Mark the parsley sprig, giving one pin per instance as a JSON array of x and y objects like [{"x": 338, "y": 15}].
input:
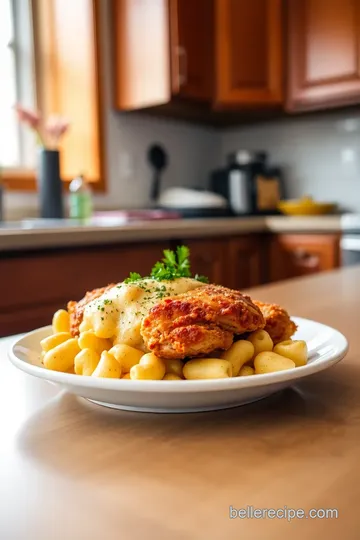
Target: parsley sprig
[
  {"x": 172, "y": 266},
  {"x": 134, "y": 276}
]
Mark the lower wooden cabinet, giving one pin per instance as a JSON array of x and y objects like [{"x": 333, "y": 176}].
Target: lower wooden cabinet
[
  {"x": 293, "y": 255},
  {"x": 244, "y": 262},
  {"x": 231, "y": 261},
  {"x": 41, "y": 282},
  {"x": 209, "y": 258}
]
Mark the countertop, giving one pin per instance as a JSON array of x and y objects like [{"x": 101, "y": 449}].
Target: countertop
[
  {"x": 71, "y": 469},
  {"x": 14, "y": 237}
]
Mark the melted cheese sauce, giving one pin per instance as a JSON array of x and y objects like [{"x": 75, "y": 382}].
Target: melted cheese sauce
[{"x": 118, "y": 313}]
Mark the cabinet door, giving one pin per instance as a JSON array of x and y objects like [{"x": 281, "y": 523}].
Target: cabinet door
[
  {"x": 324, "y": 53},
  {"x": 209, "y": 258},
  {"x": 244, "y": 262},
  {"x": 141, "y": 53},
  {"x": 301, "y": 255},
  {"x": 191, "y": 35},
  {"x": 248, "y": 52}
]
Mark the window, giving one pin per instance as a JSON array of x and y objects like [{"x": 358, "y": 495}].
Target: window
[
  {"x": 67, "y": 58},
  {"x": 17, "y": 145}
]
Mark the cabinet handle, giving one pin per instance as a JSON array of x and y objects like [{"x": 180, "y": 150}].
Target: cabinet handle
[
  {"x": 305, "y": 259},
  {"x": 182, "y": 63}
]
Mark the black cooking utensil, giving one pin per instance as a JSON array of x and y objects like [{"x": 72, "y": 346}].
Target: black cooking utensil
[{"x": 158, "y": 159}]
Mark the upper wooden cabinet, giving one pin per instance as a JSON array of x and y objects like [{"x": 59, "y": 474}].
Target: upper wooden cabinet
[
  {"x": 217, "y": 56},
  {"x": 248, "y": 52},
  {"x": 323, "y": 53},
  {"x": 141, "y": 53},
  {"x": 226, "y": 53},
  {"x": 191, "y": 43}
]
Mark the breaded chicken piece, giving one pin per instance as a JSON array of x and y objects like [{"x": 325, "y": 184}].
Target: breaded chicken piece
[
  {"x": 199, "y": 321},
  {"x": 76, "y": 309},
  {"x": 277, "y": 321}
]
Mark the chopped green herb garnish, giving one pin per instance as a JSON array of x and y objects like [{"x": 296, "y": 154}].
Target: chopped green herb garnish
[
  {"x": 203, "y": 279},
  {"x": 134, "y": 276},
  {"x": 172, "y": 266}
]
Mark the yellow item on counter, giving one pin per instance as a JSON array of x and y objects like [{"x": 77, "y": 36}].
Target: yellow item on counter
[{"x": 305, "y": 207}]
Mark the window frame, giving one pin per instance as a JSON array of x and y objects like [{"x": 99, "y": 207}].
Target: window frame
[{"x": 22, "y": 179}]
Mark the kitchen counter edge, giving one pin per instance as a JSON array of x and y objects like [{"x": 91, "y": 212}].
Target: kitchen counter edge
[{"x": 82, "y": 235}]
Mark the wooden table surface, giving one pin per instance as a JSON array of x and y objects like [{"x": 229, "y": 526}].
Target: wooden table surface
[{"x": 70, "y": 469}]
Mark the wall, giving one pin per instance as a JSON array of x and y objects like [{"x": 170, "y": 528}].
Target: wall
[
  {"x": 320, "y": 154},
  {"x": 193, "y": 151}
]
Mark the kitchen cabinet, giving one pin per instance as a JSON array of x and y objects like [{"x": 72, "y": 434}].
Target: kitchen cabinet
[
  {"x": 141, "y": 53},
  {"x": 214, "y": 53},
  {"x": 293, "y": 255},
  {"x": 248, "y": 52},
  {"x": 162, "y": 50},
  {"x": 55, "y": 277},
  {"x": 231, "y": 261},
  {"x": 209, "y": 258},
  {"x": 191, "y": 46},
  {"x": 244, "y": 262},
  {"x": 323, "y": 53}
]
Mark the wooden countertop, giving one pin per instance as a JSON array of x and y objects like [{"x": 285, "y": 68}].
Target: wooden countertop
[
  {"x": 15, "y": 237},
  {"x": 71, "y": 469}
]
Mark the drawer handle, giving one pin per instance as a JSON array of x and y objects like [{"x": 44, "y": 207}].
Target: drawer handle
[
  {"x": 305, "y": 259},
  {"x": 182, "y": 65}
]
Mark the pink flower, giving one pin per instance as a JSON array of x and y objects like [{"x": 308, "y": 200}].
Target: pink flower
[
  {"x": 48, "y": 135},
  {"x": 55, "y": 128},
  {"x": 32, "y": 119}
]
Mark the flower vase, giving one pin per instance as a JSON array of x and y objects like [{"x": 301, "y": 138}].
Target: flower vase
[{"x": 50, "y": 185}]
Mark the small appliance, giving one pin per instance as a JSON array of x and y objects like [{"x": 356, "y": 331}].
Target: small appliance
[{"x": 249, "y": 184}]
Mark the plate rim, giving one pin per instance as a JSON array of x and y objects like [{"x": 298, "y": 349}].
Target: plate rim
[{"x": 186, "y": 386}]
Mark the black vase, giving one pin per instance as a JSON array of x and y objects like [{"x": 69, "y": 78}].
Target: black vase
[{"x": 50, "y": 185}]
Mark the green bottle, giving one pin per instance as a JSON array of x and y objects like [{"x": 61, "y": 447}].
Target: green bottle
[{"x": 80, "y": 198}]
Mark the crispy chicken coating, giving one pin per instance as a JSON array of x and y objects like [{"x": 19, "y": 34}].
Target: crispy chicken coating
[
  {"x": 76, "y": 309},
  {"x": 277, "y": 321},
  {"x": 199, "y": 321}
]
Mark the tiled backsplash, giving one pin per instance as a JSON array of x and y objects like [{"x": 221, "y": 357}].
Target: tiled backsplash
[
  {"x": 320, "y": 154},
  {"x": 192, "y": 153}
]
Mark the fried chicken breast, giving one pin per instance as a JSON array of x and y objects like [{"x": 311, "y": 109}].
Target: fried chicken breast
[
  {"x": 76, "y": 309},
  {"x": 199, "y": 321},
  {"x": 277, "y": 321}
]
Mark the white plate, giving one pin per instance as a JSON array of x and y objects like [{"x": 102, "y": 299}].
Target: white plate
[{"x": 326, "y": 347}]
